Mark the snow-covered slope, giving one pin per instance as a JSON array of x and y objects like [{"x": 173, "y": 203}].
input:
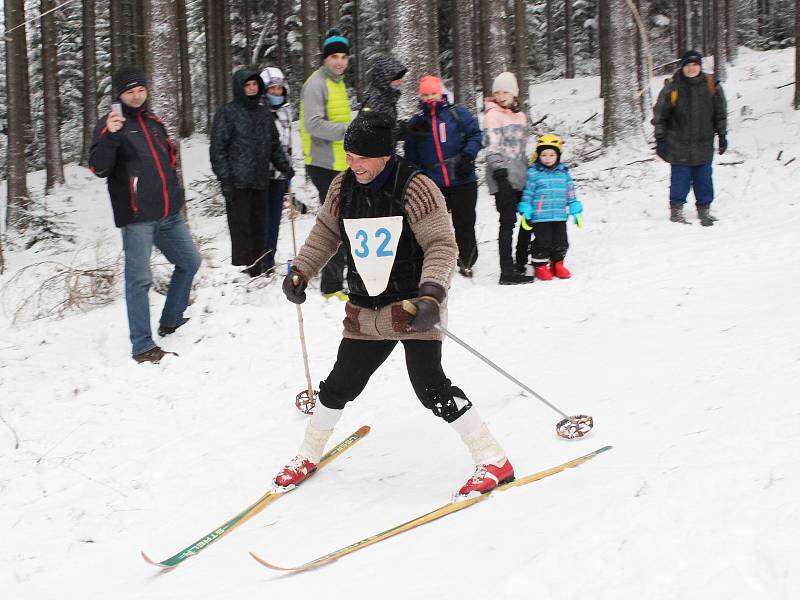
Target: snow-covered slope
[{"x": 681, "y": 341}]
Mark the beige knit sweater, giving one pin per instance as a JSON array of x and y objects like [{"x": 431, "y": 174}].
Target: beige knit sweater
[{"x": 427, "y": 215}]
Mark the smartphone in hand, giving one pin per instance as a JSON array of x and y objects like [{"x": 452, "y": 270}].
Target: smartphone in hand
[{"x": 116, "y": 107}]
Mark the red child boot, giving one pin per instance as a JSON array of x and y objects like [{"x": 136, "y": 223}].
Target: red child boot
[
  {"x": 560, "y": 271},
  {"x": 486, "y": 478},
  {"x": 542, "y": 272},
  {"x": 294, "y": 473}
]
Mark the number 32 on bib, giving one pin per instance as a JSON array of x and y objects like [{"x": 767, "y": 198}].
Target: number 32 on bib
[{"x": 373, "y": 246}]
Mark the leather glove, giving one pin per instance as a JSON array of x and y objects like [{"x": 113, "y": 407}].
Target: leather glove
[
  {"x": 431, "y": 295},
  {"x": 661, "y": 148},
  {"x": 294, "y": 286},
  {"x": 723, "y": 143},
  {"x": 288, "y": 172},
  {"x": 575, "y": 207},
  {"x": 464, "y": 165},
  {"x": 499, "y": 174}
]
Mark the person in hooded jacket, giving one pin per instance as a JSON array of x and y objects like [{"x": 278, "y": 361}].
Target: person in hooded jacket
[
  {"x": 443, "y": 141},
  {"x": 277, "y": 98},
  {"x": 383, "y": 92},
  {"x": 244, "y": 141}
]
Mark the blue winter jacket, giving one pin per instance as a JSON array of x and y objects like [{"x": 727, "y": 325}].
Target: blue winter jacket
[
  {"x": 451, "y": 135},
  {"x": 547, "y": 193}
]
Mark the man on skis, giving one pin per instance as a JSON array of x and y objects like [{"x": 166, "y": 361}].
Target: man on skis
[{"x": 393, "y": 223}]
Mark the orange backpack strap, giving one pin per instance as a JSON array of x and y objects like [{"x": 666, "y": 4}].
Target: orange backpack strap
[{"x": 711, "y": 84}]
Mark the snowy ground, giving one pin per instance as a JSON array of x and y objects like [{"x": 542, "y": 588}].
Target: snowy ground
[{"x": 681, "y": 341}]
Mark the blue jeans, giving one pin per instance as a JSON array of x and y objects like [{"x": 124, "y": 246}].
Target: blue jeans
[
  {"x": 684, "y": 178},
  {"x": 277, "y": 189},
  {"x": 172, "y": 237}
]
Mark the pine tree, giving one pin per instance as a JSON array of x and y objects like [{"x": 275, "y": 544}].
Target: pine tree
[
  {"x": 186, "y": 128},
  {"x": 89, "y": 88},
  {"x": 494, "y": 42},
  {"x": 720, "y": 55},
  {"x": 622, "y": 112},
  {"x": 797, "y": 55},
  {"x": 311, "y": 37},
  {"x": 569, "y": 49},
  {"x": 463, "y": 70},
  {"x": 412, "y": 46},
  {"x": 16, "y": 76},
  {"x": 52, "y": 147}
]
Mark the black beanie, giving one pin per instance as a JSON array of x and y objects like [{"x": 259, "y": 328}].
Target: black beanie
[
  {"x": 126, "y": 78},
  {"x": 334, "y": 43},
  {"x": 692, "y": 56},
  {"x": 370, "y": 135}
]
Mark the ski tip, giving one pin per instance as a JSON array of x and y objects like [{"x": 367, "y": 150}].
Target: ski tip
[
  {"x": 363, "y": 430},
  {"x": 261, "y": 561},
  {"x": 161, "y": 566}
]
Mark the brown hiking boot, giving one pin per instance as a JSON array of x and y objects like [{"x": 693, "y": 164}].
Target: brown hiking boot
[{"x": 154, "y": 355}]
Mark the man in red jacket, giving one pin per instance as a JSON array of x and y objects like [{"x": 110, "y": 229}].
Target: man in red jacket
[{"x": 132, "y": 150}]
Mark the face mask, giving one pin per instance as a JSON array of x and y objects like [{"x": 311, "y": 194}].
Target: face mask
[{"x": 275, "y": 100}]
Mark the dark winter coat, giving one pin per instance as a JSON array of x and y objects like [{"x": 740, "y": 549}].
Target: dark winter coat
[
  {"x": 139, "y": 161},
  {"x": 688, "y": 116},
  {"x": 244, "y": 138},
  {"x": 380, "y": 96},
  {"x": 453, "y": 131}
]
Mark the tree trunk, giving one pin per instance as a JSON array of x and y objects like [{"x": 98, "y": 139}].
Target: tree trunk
[
  {"x": 719, "y": 39},
  {"x": 433, "y": 34},
  {"x": 461, "y": 17},
  {"x": 548, "y": 18},
  {"x": 569, "y": 54},
  {"x": 334, "y": 13},
  {"x": 797, "y": 55},
  {"x": 89, "y": 64},
  {"x": 706, "y": 7},
  {"x": 732, "y": 40},
  {"x": 186, "y": 128},
  {"x": 622, "y": 112},
  {"x": 682, "y": 18},
  {"x": 16, "y": 75},
  {"x": 54, "y": 163},
  {"x": 226, "y": 52},
  {"x": 604, "y": 43},
  {"x": 494, "y": 42},
  {"x": 218, "y": 55},
  {"x": 412, "y": 47},
  {"x": 355, "y": 45},
  {"x": 521, "y": 51},
  {"x": 280, "y": 34},
  {"x": 117, "y": 42},
  {"x": 311, "y": 41}
]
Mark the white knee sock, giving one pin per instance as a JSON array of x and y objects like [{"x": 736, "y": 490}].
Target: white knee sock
[
  {"x": 318, "y": 432},
  {"x": 485, "y": 450}
]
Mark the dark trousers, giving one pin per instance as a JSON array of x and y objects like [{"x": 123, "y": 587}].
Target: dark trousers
[
  {"x": 333, "y": 272},
  {"x": 274, "y": 211},
  {"x": 357, "y": 360},
  {"x": 506, "y": 200},
  {"x": 697, "y": 177},
  {"x": 550, "y": 242},
  {"x": 461, "y": 201},
  {"x": 246, "y": 211}
]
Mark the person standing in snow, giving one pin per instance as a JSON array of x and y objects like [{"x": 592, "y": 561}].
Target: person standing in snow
[
  {"x": 547, "y": 201},
  {"x": 690, "y": 110},
  {"x": 277, "y": 98},
  {"x": 133, "y": 151},
  {"x": 324, "y": 116},
  {"x": 244, "y": 141},
  {"x": 504, "y": 135},
  {"x": 443, "y": 141},
  {"x": 383, "y": 92},
  {"x": 393, "y": 223}
]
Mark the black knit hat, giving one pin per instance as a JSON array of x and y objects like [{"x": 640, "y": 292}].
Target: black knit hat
[
  {"x": 126, "y": 78},
  {"x": 334, "y": 43},
  {"x": 370, "y": 135},
  {"x": 692, "y": 56}
]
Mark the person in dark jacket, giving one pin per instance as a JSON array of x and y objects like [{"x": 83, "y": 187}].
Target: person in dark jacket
[
  {"x": 690, "y": 110},
  {"x": 383, "y": 92},
  {"x": 132, "y": 150},
  {"x": 244, "y": 141},
  {"x": 443, "y": 141}
]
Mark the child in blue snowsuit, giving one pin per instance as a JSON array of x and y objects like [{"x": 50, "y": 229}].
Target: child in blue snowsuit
[{"x": 547, "y": 201}]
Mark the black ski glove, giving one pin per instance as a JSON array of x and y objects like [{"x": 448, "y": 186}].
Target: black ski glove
[
  {"x": 661, "y": 148},
  {"x": 464, "y": 165},
  {"x": 723, "y": 143},
  {"x": 499, "y": 174},
  {"x": 294, "y": 286},
  {"x": 288, "y": 172},
  {"x": 431, "y": 295}
]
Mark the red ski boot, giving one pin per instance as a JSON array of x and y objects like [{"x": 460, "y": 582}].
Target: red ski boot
[
  {"x": 294, "y": 473},
  {"x": 542, "y": 272},
  {"x": 485, "y": 479},
  {"x": 559, "y": 270}
]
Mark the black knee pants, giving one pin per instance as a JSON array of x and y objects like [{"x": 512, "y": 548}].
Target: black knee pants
[
  {"x": 357, "y": 360},
  {"x": 247, "y": 217},
  {"x": 461, "y": 201},
  {"x": 333, "y": 272},
  {"x": 550, "y": 242}
]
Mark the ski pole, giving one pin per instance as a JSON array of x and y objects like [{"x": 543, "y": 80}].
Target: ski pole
[{"x": 569, "y": 427}]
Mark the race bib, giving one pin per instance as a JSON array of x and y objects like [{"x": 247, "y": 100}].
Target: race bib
[{"x": 373, "y": 246}]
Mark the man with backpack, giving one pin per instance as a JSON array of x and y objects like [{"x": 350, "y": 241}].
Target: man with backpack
[
  {"x": 443, "y": 140},
  {"x": 690, "y": 110}
]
